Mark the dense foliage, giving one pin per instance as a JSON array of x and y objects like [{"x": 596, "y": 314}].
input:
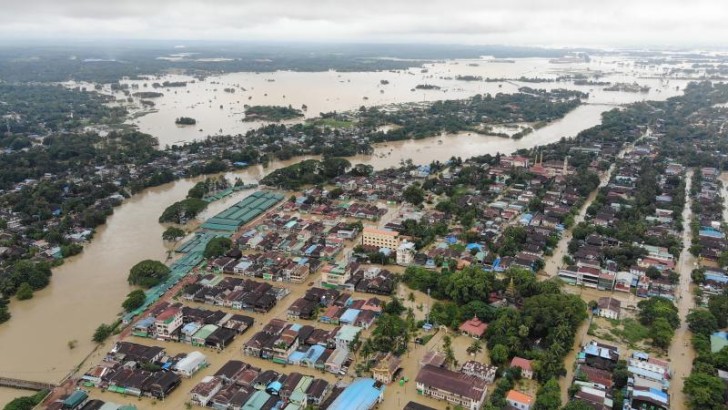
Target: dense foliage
[
  {"x": 308, "y": 172},
  {"x": 182, "y": 211},
  {"x": 217, "y": 247},
  {"x": 26, "y": 402},
  {"x": 134, "y": 300},
  {"x": 271, "y": 113},
  {"x": 148, "y": 273}
]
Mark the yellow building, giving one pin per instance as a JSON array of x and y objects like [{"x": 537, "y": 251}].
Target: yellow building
[{"x": 381, "y": 238}]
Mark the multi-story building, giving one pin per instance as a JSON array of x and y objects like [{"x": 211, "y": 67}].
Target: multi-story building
[
  {"x": 405, "y": 253},
  {"x": 381, "y": 238},
  {"x": 168, "y": 322}
]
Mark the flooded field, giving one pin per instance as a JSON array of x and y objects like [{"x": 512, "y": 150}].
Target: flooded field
[{"x": 218, "y": 111}]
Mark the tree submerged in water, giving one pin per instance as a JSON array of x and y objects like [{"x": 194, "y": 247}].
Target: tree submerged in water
[{"x": 185, "y": 121}]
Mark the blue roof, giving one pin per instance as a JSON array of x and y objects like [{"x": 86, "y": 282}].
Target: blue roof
[
  {"x": 349, "y": 316},
  {"x": 474, "y": 246},
  {"x": 359, "y": 395},
  {"x": 296, "y": 327},
  {"x": 144, "y": 323},
  {"x": 295, "y": 357},
  {"x": 276, "y": 385},
  {"x": 451, "y": 239},
  {"x": 310, "y": 249}
]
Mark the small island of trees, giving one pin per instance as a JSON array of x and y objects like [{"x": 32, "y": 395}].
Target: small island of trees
[
  {"x": 185, "y": 121},
  {"x": 148, "y": 273},
  {"x": 271, "y": 113}
]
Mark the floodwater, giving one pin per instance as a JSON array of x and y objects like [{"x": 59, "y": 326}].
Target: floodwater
[
  {"x": 221, "y": 112},
  {"x": 89, "y": 288}
]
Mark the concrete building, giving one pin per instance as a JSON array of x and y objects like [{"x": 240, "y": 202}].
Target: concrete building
[
  {"x": 609, "y": 307},
  {"x": 381, "y": 238},
  {"x": 518, "y": 400},
  {"x": 456, "y": 388},
  {"x": 167, "y": 323},
  {"x": 405, "y": 253}
]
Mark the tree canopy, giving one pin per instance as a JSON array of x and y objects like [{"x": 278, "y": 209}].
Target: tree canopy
[{"x": 148, "y": 273}]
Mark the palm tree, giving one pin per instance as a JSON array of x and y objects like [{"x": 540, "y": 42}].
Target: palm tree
[{"x": 475, "y": 347}]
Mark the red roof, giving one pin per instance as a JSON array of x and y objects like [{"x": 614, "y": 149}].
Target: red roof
[
  {"x": 524, "y": 364},
  {"x": 474, "y": 327},
  {"x": 519, "y": 397}
]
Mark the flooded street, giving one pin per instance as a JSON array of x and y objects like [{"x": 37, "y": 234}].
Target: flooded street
[
  {"x": 89, "y": 288},
  {"x": 681, "y": 351}
]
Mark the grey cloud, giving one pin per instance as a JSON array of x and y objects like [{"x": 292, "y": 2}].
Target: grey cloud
[{"x": 528, "y": 22}]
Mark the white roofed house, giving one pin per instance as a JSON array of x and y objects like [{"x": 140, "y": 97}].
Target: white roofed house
[{"x": 190, "y": 364}]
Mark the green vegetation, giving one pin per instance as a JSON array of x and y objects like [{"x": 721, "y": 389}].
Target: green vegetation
[
  {"x": 40, "y": 109},
  {"x": 217, "y": 247},
  {"x": 308, "y": 172},
  {"x": 632, "y": 331},
  {"x": 182, "y": 211},
  {"x": 172, "y": 234},
  {"x": 25, "y": 292},
  {"x": 26, "y": 402},
  {"x": 271, "y": 113},
  {"x": 134, "y": 300},
  {"x": 185, "y": 121},
  {"x": 546, "y": 315},
  {"x": 548, "y": 396},
  {"x": 660, "y": 315},
  {"x": 102, "y": 333},
  {"x": 148, "y": 273},
  {"x": 705, "y": 390},
  {"x": 36, "y": 275}
]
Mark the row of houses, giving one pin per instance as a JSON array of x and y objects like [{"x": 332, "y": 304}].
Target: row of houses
[
  {"x": 646, "y": 387},
  {"x": 303, "y": 345},
  {"x": 238, "y": 385},
  {"x": 600, "y": 261},
  {"x": 235, "y": 293}
]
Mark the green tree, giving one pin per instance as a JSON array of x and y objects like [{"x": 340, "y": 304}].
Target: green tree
[
  {"x": 148, "y": 273},
  {"x": 475, "y": 347},
  {"x": 134, "y": 300},
  {"x": 718, "y": 306},
  {"x": 25, "y": 291},
  {"x": 26, "y": 402},
  {"x": 499, "y": 355},
  {"x": 548, "y": 396},
  {"x": 579, "y": 405},
  {"x": 414, "y": 194},
  {"x": 662, "y": 333},
  {"x": 172, "y": 233},
  {"x": 101, "y": 333},
  {"x": 217, "y": 247},
  {"x": 705, "y": 391},
  {"x": 702, "y": 321}
]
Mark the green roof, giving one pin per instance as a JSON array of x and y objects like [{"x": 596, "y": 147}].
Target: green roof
[
  {"x": 75, "y": 399},
  {"x": 256, "y": 401}
]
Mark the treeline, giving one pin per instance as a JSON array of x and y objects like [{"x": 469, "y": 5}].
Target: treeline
[
  {"x": 452, "y": 116},
  {"x": 271, "y": 113},
  {"x": 39, "y": 109},
  {"x": 308, "y": 172},
  {"x": 704, "y": 388}
]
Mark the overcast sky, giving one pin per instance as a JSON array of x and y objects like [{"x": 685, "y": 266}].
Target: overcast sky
[{"x": 617, "y": 23}]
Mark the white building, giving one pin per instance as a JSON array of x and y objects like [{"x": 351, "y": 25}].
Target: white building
[
  {"x": 190, "y": 364},
  {"x": 405, "y": 253}
]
